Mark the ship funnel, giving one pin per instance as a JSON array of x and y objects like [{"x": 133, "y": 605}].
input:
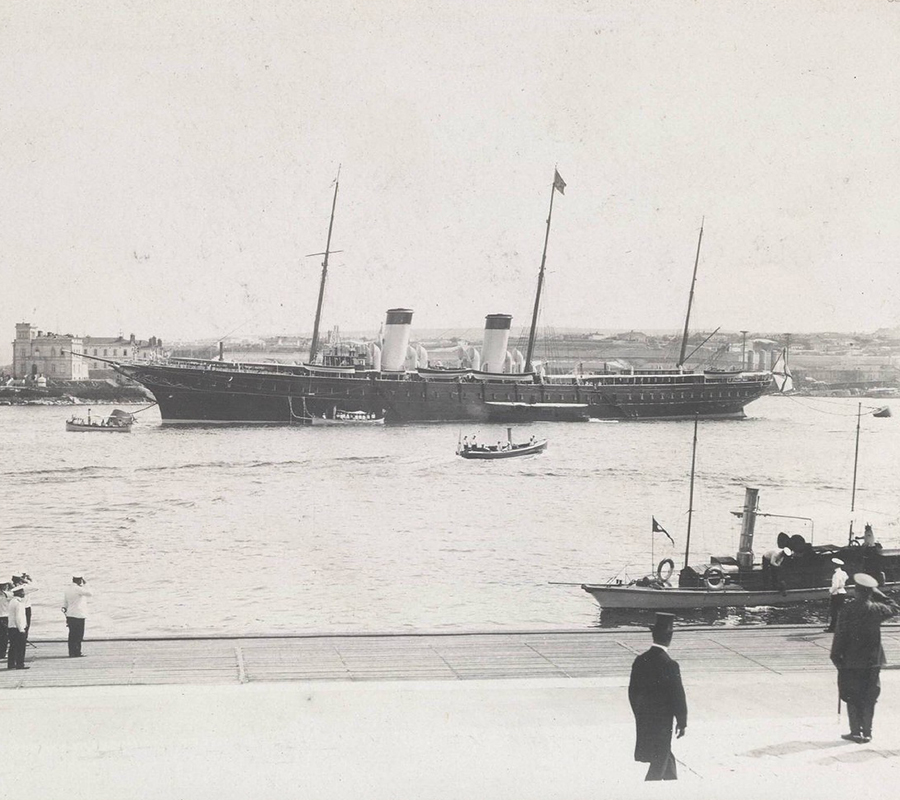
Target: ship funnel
[
  {"x": 496, "y": 338},
  {"x": 748, "y": 524},
  {"x": 396, "y": 339}
]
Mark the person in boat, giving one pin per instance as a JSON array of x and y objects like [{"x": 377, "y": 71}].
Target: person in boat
[
  {"x": 465, "y": 444},
  {"x": 773, "y": 564},
  {"x": 838, "y": 593},
  {"x": 656, "y": 695},
  {"x": 857, "y": 653}
]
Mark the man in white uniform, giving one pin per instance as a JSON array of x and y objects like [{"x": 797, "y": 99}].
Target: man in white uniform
[
  {"x": 75, "y": 609},
  {"x": 17, "y": 627},
  {"x": 838, "y": 593}
]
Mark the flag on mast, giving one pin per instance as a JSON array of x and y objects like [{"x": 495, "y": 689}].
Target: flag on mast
[
  {"x": 781, "y": 373},
  {"x": 558, "y": 183},
  {"x": 657, "y": 528}
]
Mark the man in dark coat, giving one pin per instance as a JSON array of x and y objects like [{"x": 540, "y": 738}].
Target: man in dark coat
[
  {"x": 857, "y": 653},
  {"x": 657, "y": 697}
]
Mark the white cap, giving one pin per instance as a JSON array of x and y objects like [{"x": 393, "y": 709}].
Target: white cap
[{"x": 837, "y": 561}]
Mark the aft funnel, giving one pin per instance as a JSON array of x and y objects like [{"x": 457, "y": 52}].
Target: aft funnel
[
  {"x": 496, "y": 338},
  {"x": 396, "y": 339}
]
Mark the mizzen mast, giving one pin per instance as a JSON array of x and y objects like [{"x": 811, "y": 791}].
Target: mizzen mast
[
  {"x": 687, "y": 318},
  {"x": 559, "y": 185},
  {"x": 314, "y": 345}
]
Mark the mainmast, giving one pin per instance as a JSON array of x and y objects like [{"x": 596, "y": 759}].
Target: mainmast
[
  {"x": 687, "y": 546},
  {"x": 559, "y": 185},
  {"x": 314, "y": 345},
  {"x": 687, "y": 318}
]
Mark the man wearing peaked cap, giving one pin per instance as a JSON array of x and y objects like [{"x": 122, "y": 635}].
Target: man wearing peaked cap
[
  {"x": 838, "y": 593},
  {"x": 75, "y": 608},
  {"x": 18, "y": 627},
  {"x": 657, "y": 697},
  {"x": 857, "y": 653}
]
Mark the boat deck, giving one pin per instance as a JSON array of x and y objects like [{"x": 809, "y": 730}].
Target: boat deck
[{"x": 432, "y": 657}]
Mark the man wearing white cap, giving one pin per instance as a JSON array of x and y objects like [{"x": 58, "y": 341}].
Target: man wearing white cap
[
  {"x": 18, "y": 626},
  {"x": 838, "y": 593},
  {"x": 75, "y": 609},
  {"x": 772, "y": 565},
  {"x": 857, "y": 653},
  {"x": 657, "y": 697}
]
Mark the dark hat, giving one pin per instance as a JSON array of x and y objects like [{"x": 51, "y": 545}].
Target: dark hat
[
  {"x": 867, "y": 581},
  {"x": 665, "y": 623}
]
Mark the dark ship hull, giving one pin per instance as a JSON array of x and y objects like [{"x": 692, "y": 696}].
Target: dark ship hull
[{"x": 224, "y": 392}]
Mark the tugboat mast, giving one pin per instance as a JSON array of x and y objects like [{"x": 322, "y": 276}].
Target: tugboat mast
[
  {"x": 559, "y": 185},
  {"x": 687, "y": 318},
  {"x": 314, "y": 345}
]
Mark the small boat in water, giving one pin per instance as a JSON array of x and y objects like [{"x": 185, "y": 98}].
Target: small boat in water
[
  {"x": 884, "y": 411},
  {"x": 802, "y": 575},
  {"x": 339, "y": 417},
  {"x": 117, "y": 422},
  {"x": 510, "y": 449}
]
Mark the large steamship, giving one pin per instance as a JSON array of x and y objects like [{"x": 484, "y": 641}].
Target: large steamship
[{"x": 394, "y": 380}]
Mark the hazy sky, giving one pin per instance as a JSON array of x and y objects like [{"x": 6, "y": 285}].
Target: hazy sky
[{"x": 167, "y": 166}]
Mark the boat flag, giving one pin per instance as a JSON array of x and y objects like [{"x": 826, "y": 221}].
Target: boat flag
[
  {"x": 558, "y": 183},
  {"x": 657, "y": 528},
  {"x": 781, "y": 373}
]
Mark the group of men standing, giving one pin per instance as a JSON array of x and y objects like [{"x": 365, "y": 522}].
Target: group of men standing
[
  {"x": 15, "y": 617},
  {"x": 657, "y": 696}
]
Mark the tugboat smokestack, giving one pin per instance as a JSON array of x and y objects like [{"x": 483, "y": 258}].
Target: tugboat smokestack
[{"x": 748, "y": 524}]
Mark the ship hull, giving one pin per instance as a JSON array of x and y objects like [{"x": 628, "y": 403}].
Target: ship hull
[
  {"x": 673, "y": 599},
  {"x": 216, "y": 392}
]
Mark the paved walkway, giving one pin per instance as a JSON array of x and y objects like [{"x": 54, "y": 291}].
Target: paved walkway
[{"x": 415, "y": 717}]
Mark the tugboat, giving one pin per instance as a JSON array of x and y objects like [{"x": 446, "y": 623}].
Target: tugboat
[{"x": 803, "y": 575}]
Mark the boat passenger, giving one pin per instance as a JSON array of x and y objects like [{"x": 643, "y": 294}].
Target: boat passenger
[
  {"x": 772, "y": 563},
  {"x": 838, "y": 593}
]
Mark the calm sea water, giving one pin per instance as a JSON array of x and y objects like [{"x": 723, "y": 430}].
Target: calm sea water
[{"x": 290, "y": 530}]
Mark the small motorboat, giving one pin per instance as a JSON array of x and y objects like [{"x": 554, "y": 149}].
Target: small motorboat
[
  {"x": 117, "y": 422},
  {"x": 884, "y": 411},
  {"x": 510, "y": 449}
]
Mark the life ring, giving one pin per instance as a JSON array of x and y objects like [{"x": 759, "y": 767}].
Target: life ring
[
  {"x": 714, "y": 578},
  {"x": 669, "y": 567}
]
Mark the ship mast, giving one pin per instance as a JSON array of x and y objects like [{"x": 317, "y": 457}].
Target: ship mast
[
  {"x": 559, "y": 185},
  {"x": 314, "y": 345},
  {"x": 855, "y": 462},
  {"x": 687, "y": 546},
  {"x": 687, "y": 318}
]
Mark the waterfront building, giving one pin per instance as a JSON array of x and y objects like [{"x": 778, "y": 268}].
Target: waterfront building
[{"x": 39, "y": 354}]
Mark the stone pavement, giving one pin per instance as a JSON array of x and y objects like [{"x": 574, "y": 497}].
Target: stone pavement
[{"x": 269, "y": 721}]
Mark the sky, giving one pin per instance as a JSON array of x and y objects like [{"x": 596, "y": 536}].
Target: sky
[{"x": 167, "y": 167}]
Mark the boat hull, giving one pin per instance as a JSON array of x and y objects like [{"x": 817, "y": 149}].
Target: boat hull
[
  {"x": 217, "y": 392},
  {"x": 519, "y": 450},
  {"x": 644, "y": 598},
  {"x": 78, "y": 428}
]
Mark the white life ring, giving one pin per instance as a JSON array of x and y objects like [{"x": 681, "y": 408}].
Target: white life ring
[
  {"x": 664, "y": 569},
  {"x": 714, "y": 578}
]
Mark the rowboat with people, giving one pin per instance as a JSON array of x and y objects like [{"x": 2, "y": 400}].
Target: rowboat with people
[
  {"x": 117, "y": 422},
  {"x": 508, "y": 449}
]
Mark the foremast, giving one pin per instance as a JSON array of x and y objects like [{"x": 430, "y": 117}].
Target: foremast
[
  {"x": 559, "y": 185},
  {"x": 314, "y": 345}
]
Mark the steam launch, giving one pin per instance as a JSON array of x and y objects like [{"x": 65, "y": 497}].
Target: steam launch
[{"x": 391, "y": 380}]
